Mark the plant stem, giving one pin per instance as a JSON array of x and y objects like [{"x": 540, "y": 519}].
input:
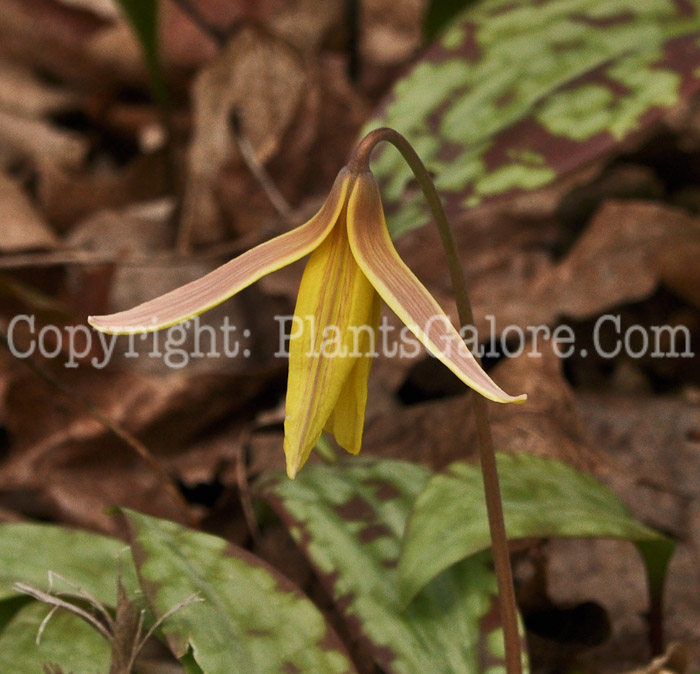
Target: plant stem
[{"x": 494, "y": 506}]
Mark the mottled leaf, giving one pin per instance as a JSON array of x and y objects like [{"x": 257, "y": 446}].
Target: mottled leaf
[
  {"x": 29, "y": 551},
  {"x": 67, "y": 641},
  {"x": 541, "y": 498},
  {"x": 349, "y": 520},
  {"x": 251, "y": 618},
  {"x": 517, "y": 93}
]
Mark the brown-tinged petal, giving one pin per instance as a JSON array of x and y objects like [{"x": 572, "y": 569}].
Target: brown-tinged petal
[
  {"x": 201, "y": 295},
  {"x": 405, "y": 294}
]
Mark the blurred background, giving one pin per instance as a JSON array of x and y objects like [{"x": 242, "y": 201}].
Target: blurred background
[{"x": 144, "y": 143}]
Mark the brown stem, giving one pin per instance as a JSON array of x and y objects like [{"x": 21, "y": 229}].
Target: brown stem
[{"x": 359, "y": 162}]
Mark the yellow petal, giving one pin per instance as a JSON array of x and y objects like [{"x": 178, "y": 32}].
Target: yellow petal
[
  {"x": 201, "y": 295},
  {"x": 405, "y": 294},
  {"x": 334, "y": 297},
  {"x": 348, "y": 417}
]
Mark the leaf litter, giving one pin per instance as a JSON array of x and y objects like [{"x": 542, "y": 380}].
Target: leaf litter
[{"x": 619, "y": 232}]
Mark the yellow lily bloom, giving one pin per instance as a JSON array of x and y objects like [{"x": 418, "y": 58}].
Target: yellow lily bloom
[{"x": 353, "y": 264}]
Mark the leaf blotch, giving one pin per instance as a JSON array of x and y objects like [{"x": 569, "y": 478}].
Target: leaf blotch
[
  {"x": 384, "y": 491},
  {"x": 356, "y": 510},
  {"x": 373, "y": 532}
]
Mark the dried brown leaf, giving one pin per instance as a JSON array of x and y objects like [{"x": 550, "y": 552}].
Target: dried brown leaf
[
  {"x": 301, "y": 24},
  {"x": 70, "y": 468},
  {"x": 39, "y": 142},
  {"x": 627, "y": 250},
  {"x": 266, "y": 83},
  {"x": 24, "y": 94},
  {"x": 67, "y": 195},
  {"x": 442, "y": 431},
  {"x": 52, "y": 37},
  {"x": 23, "y": 228}
]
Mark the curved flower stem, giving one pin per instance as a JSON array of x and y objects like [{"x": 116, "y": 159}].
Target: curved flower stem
[{"x": 359, "y": 162}]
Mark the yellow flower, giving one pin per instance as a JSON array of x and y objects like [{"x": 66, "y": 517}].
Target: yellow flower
[{"x": 353, "y": 264}]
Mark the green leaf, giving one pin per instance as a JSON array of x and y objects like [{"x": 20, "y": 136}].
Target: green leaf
[
  {"x": 541, "y": 498},
  {"x": 29, "y": 551},
  {"x": 349, "y": 519},
  {"x": 67, "y": 641},
  {"x": 251, "y": 619},
  {"x": 143, "y": 17},
  {"x": 9, "y": 607},
  {"x": 516, "y": 94}
]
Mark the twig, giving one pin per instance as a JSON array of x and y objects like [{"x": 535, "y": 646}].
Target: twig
[
  {"x": 138, "y": 646},
  {"x": 112, "y": 426},
  {"x": 219, "y": 35},
  {"x": 81, "y": 593},
  {"x": 274, "y": 196},
  {"x": 89, "y": 257},
  {"x": 243, "y": 487}
]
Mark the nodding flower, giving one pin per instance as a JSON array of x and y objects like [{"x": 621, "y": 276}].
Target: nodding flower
[{"x": 352, "y": 267}]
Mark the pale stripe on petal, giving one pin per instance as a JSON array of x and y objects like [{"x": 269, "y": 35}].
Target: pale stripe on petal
[
  {"x": 405, "y": 294},
  {"x": 201, "y": 295}
]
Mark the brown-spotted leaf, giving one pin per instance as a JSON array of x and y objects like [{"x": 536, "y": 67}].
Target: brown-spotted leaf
[
  {"x": 251, "y": 618},
  {"x": 516, "y": 94},
  {"x": 349, "y": 519}
]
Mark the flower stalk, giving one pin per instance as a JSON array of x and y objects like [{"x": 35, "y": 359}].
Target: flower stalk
[
  {"x": 352, "y": 267},
  {"x": 494, "y": 505}
]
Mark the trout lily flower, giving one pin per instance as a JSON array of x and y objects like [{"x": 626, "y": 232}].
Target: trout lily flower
[{"x": 353, "y": 265}]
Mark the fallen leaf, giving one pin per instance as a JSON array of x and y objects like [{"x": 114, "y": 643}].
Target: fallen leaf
[
  {"x": 64, "y": 468},
  {"x": 626, "y": 251},
  {"x": 23, "y": 228},
  {"x": 301, "y": 24},
  {"x": 22, "y": 93},
  {"x": 266, "y": 83},
  {"x": 55, "y": 44},
  {"x": 443, "y": 431},
  {"x": 653, "y": 464},
  {"x": 107, "y": 9},
  {"x": 68, "y": 195},
  {"x": 39, "y": 142}
]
